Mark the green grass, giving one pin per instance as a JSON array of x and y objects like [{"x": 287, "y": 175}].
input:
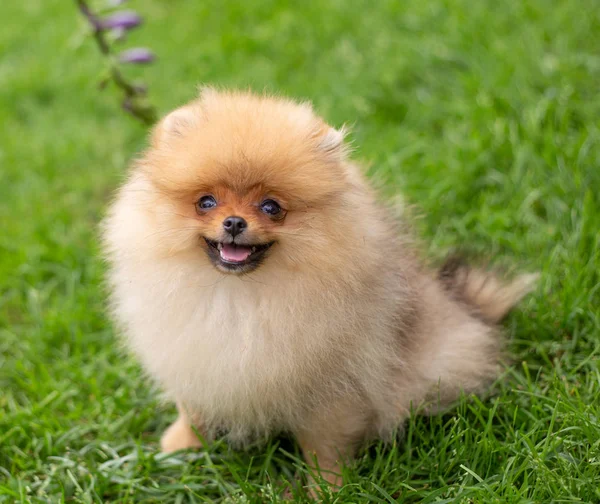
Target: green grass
[{"x": 484, "y": 115}]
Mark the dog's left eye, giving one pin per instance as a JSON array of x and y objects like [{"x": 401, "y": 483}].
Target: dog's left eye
[{"x": 270, "y": 207}]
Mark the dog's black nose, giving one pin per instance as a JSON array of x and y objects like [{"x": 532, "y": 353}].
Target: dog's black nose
[{"x": 234, "y": 225}]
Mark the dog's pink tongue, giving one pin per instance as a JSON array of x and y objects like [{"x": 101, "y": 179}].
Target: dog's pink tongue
[{"x": 235, "y": 253}]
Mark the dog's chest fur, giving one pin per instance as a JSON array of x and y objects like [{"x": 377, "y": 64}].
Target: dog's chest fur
[{"x": 248, "y": 357}]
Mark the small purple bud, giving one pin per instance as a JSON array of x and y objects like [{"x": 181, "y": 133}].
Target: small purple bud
[
  {"x": 137, "y": 55},
  {"x": 119, "y": 34},
  {"x": 140, "y": 89},
  {"x": 116, "y": 3},
  {"x": 125, "y": 20},
  {"x": 127, "y": 105}
]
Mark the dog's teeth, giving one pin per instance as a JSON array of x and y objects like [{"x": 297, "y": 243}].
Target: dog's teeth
[
  {"x": 253, "y": 249},
  {"x": 219, "y": 246}
]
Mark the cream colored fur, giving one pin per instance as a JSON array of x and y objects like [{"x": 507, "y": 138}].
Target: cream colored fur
[{"x": 334, "y": 337}]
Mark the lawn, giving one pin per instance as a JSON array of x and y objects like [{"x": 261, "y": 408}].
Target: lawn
[{"x": 485, "y": 116}]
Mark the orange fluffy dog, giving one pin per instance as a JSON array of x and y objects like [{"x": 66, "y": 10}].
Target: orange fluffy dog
[{"x": 265, "y": 289}]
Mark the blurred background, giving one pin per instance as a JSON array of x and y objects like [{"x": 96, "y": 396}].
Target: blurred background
[{"x": 483, "y": 115}]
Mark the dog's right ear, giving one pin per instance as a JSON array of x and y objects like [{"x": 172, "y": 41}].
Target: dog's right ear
[{"x": 175, "y": 124}]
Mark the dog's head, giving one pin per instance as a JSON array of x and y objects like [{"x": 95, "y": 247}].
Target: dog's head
[{"x": 248, "y": 180}]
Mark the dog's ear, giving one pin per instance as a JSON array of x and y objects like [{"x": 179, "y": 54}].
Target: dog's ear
[
  {"x": 331, "y": 141},
  {"x": 176, "y": 124}
]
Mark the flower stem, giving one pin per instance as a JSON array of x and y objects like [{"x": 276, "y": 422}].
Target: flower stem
[{"x": 133, "y": 96}]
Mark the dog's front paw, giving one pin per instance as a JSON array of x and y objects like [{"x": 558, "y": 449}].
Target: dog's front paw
[{"x": 179, "y": 436}]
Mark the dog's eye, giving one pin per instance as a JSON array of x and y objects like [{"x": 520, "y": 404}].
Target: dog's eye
[
  {"x": 206, "y": 203},
  {"x": 270, "y": 207}
]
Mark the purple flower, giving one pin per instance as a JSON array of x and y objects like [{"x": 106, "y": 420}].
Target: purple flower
[
  {"x": 124, "y": 20},
  {"x": 127, "y": 105},
  {"x": 140, "y": 89},
  {"x": 137, "y": 55},
  {"x": 119, "y": 34}
]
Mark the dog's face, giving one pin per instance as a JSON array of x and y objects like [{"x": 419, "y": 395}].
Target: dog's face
[
  {"x": 245, "y": 181},
  {"x": 239, "y": 228}
]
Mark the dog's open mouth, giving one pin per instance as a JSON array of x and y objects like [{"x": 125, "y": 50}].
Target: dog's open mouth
[{"x": 236, "y": 257}]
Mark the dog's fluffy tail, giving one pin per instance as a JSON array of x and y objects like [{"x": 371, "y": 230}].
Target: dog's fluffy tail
[{"x": 484, "y": 291}]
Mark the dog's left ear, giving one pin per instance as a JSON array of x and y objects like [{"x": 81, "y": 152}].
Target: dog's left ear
[{"x": 331, "y": 141}]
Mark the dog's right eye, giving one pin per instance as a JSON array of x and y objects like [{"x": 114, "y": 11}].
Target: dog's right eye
[
  {"x": 270, "y": 207},
  {"x": 206, "y": 203}
]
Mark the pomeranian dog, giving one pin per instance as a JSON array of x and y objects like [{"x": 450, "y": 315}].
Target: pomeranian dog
[{"x": 263, "y": 287}]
